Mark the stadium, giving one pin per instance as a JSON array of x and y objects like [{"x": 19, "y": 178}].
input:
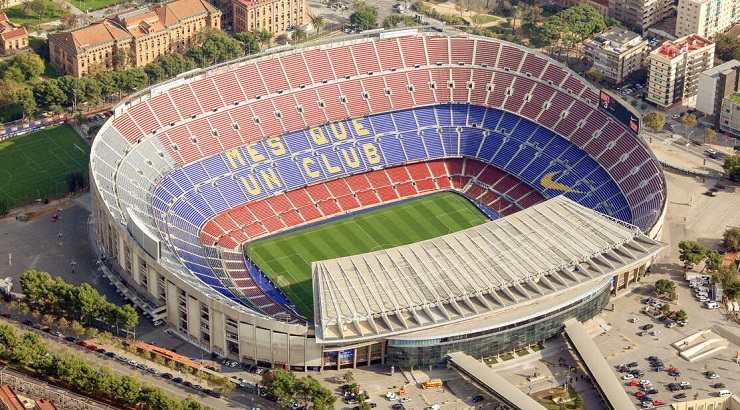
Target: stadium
[{"x": 384, "y": 199}]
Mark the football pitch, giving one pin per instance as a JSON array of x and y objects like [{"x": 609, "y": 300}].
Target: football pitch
[
  {"x": 33, "y": 165},
  {"x": 286, "y": 259}
]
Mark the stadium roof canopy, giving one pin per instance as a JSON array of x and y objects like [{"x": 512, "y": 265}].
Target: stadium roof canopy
[{"x": 538, "y": 252}]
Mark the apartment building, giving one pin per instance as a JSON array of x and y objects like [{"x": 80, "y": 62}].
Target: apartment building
[
  {"x": 639, "y": 15},
  {"x": 714, "y": 85},
  {"x": 133, "y": 38},
  {"x": 13, "y": 38},
  {"x": 673, "y": 77},
  {"x": 706, "y": 17},
  {"x": 275, "y": 16},
  {"x": 729, "y": 115},
  {"x": 615, "y": 53}
]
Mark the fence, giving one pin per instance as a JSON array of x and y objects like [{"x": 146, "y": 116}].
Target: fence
[{"x": 11, "y": 129}]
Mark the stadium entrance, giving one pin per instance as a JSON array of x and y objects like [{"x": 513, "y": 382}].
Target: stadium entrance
[{"x": 350, "y": 358}]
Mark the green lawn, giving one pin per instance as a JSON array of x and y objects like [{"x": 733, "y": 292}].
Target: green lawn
[
  {"x": 85, "y": 5},
  {"x": 286, "y": 259},
  {"x": 30, "y": 19},
  {"x": 33, "y": 165}
]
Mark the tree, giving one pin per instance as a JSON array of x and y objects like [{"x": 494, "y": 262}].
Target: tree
[
  {"x": 4, "y": 207},
  {"x": 578, "y": 402},
  {"x": 299, "y": 34},
  {"x": 8, "y": 336},
  {"x": 248, "y": 40},
  {"x": 654, "y": 120},
  {"x": 280, "y": 383},
  {"x": 709, "y": 135},
  {"x": 714, "y": 260},
  {"x": 317, "y": 21},
  {"x": 29, "y": 349},
  {"x": 690, "y": 253},
  {"x": 264, "y": 37},
  {"x": 665, "y": 287},
  {"x": 732, "y": 166},
  {"x": 215, "y": 46},
  {"x": 71, "y": 182},
  {"x": 48, "y": 93},
  {"x": 681, "y": 316},
  {"x": 128, "y": 389},
  {"x": 461, "y": 6},
  {"x": 30, "y": 64},
  {"x": 349, "y": 377},
  {"x": 364, "y": 19},
  {"x": 76, "y": 328},
  {"x": 726, "y": 47},
  {"x": 24, "y": 98},
  {"x": 731, "y": 237},
  {"x": 665, "y": 308},
  {"x": 515, "y": 13},
  {"x": 121, "y": 59},
  {"x": 155, "y": 72},
  {"x": 688, "y": 121},
  {"x": 732, "y": 289}
]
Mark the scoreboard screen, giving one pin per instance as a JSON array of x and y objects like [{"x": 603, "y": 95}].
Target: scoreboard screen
[{"x": 618, "y": 109}]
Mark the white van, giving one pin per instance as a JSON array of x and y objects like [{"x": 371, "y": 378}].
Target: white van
[
  {"x": 712, "y": 305},
  {"x": 725, "y": 393}
]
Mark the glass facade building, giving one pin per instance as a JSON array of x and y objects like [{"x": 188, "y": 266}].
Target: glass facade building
[{"x": 499, "y": 338}]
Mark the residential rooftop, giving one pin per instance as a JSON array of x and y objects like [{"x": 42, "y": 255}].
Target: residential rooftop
[{"x": 688, "y": 44}]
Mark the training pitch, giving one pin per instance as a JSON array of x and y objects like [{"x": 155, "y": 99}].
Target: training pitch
[
  {"x": 286, "y": 258},
  {"x": 33, "y": 165}
]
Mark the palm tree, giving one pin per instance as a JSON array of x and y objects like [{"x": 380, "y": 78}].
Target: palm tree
[
  {"x": 264, "y": 37},
  {"x": 318, "y": 22},
  {"x": 299, "y": 34}
]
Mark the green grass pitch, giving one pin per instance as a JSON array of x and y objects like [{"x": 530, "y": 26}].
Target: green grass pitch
[
  {"x": 286, "y": 259},
  {"x": 33, "y": 165}
]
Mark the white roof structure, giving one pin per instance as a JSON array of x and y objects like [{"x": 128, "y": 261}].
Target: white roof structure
[{"x": 540, "y": 251}]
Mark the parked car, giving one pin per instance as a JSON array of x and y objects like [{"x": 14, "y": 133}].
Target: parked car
[
  {"x": 628, "y": 377},
  {"x": 5, "y": 314},
  {"x": 680, "y": 396},
  {"x": 632, "y": 364},
  {"x": 177, "y": 380},
  {"x": 647, "y": 326},
  {"x": 110, "y": 354},
  {"x": 167, "y": 376},
  {"x": 476, "y": 399},
  {"x": 81, "y": 343}
]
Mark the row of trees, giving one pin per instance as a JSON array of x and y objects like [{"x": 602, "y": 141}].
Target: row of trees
[
  {"x": 286, "y": 386},
  {"x": 75, "y": 181},
  {"x": 564, "y": 31},
  {"x": 56, "y": 297},
  {"x": 29, "y": 351},
  {"x": 56, "y": 94}
]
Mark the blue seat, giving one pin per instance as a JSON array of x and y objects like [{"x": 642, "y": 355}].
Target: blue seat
[
  {"x": 444, "y": 116},
  {"x": 433, "y": 143},
  {"x": 382, "y": 123},
  {"x": 405, "y": 120},
  {"x": 459, "y": 114},
  {"x": 392, "y": 149}
]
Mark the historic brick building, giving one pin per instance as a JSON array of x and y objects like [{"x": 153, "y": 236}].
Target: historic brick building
[
  {"x": 12, "y": 37},
  {"x": 275, "y": 16},
  {"x": 131, "y": 38}
]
